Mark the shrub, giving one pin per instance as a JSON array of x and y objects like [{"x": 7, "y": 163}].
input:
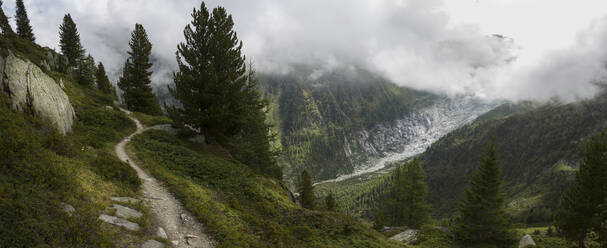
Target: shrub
[{"x": 110, "y": 168}]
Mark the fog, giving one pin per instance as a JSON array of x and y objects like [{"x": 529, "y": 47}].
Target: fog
[{"x": 414, "y": 43}]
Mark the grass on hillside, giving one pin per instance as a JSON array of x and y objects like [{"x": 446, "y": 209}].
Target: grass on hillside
[
  {"x": 238, "y": 207},
  {"x": 41, "y": 169},
  {"x": 151, "y": 120}
]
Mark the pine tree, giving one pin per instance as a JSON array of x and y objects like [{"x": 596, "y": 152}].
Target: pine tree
[
  {"x": 6, "y": 27},
  {"x": 70, "y": 41},
  {"x": 582, "y": 206},
  {"x": 306, "y": 191},
  {"x": 24, "y": 29},
  {"x": 330, "y": 201},
  {"x": 86, "y": 71},
  {"x": 103, "y": 83},
  {"x": 218, "y": 92},
  {"x": 405, "y": 202},
  {"x": 482, "y": 215},
  {"x": 135, "y": 80}
]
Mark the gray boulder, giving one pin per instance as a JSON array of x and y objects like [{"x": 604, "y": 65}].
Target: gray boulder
[
  {"x": 124, "y": 212},
  {"x": 28, "y": 87},
  {"x": 161, "y": 233},
  {"x": 409, "y": 236},
  {"x": 526, "y": 241},
  {"x": 152, "y": 244},
  {"x": 119, "y": 222},
  {"x": 124, "y": 199}
]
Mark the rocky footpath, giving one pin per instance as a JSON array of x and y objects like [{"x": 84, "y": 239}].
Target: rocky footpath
[{"x": 30, "y": 89}]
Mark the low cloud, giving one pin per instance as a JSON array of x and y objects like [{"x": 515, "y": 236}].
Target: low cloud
[{"x": 411, "y": 42}]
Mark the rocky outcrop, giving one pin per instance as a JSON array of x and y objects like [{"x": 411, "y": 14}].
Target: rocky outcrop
[{"x": 30, "y": 89}]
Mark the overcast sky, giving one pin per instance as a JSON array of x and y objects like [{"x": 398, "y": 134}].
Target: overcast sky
[{"x": 549, "y": 47}]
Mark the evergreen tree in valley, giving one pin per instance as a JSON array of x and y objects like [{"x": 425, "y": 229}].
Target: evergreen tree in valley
[
  {"x": 24, "y": 29},
  {"x": 482, "y": 216},
  {"x": 583, "y": 207},
  {"x": 103, "y": 83},
  {"x": 405, "y": 202},
  {"x": 6, "y": 27},
  {"x": 70, "y": 41},
  {"x": 306, "y": 191},
  {"x": 218, "y": 93},
  {"x": 135, "y": 80},
  {"x": 330, "y": 201}
]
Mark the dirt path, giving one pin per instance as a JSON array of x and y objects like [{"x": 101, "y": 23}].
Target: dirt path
[{"x": 179, "y": 224}]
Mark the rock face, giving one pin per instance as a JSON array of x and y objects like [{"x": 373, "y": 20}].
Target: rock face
[
  {"x": 409, "y": 236},
  {"x": 28, "y": 88},
  {"x": 526, "y": 241}
]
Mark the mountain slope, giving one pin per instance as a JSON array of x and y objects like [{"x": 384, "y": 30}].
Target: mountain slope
[{"x": 537, "y": 148}]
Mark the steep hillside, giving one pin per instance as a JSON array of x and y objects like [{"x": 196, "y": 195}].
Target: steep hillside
[
  {"x": 537, "y": 148},
  {"x": 238, "y": 207},
  {"x": 345, "y": 122},
  {"x": 54, "y": 187}
]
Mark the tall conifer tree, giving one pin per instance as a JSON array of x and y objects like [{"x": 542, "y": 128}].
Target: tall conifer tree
[
  {"x": 306, "y": 191},
  {"x": 482, "y": 215},
  {"x": 218, "y": 92},
  {"x": 86, "y": 70},
  {"x": 24, "y": 29},
  {"x": 6, "y": 27},
  {"x": 405, "y": 202},
  {"x": 70, "y": 41},
  {"x": 135, "y": 80},
  {"x": 103, "y": 83},
  {"x": 583, "y": 205}
]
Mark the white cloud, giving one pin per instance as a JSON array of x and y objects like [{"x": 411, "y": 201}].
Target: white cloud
[{"x": 442, "y": 46}]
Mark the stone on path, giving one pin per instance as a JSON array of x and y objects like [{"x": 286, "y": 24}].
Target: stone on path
[
  {"x": 124, "y": 212},
  {"x": 125, "y": 200},
  {"x": 152, "y": 244},
  {"x": 119, "y": 222},
  {"x": 161, "y": 233}
]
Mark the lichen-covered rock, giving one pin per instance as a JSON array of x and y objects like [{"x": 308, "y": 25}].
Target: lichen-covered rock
[
  {"x": 526, "y": 241},
  {"x": 409, "y": 236},
  {"x": 29, "y": 88}
]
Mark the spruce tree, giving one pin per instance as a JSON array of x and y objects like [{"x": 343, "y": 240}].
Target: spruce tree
[
  {"x": 135, "y": 80},
  {"x": 482, "y": 215},
  {"x": 583, "y": 205},
  {"x": 70, "y": 41},
  {"x": 405, "y": 202},
  {"x": 330, "y": 202},
  {"x": 103, "y": 83},
  {"x": 86, "y": 70},
  {"x": 24, "y": 29},
  {"x": 6, "y": 27},
  {"x": 218, "y": 92},
  {"x": 306, "y": 191}
]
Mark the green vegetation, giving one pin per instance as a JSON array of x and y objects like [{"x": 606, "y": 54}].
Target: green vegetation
[
  {"x": 318, "y": 119},
  {"x": 41, "y": 170},
  {"x": 103, "y": 83},
  {"x": 482, "y": 216},
  {"x": 135, "y": 80},
  {"x": 538, "y": 149},
  {"x": 306, "y": 191},
  {"x": 404, "y": 204},
  {"x": 219, "y": 93},
  {"x": 330, "y": 202},
  {"x": 240, "y": 208},
  {"x": 583, "y": 208}
]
